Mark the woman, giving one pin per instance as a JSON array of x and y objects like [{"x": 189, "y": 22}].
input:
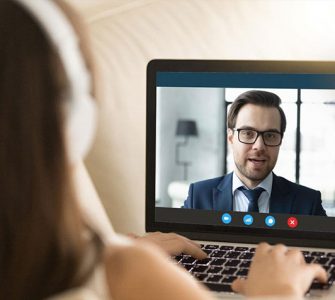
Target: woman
[{"x": 47, "y": 120}]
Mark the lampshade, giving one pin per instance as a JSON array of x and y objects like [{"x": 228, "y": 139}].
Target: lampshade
[{"x": 187, "y": 128}]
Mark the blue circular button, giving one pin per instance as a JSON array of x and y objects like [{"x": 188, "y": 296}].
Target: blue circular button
[
  {"x": 226, "y": 218},
  {"x": 270, "y": 221},
  {"x": 248, "y": 220}
]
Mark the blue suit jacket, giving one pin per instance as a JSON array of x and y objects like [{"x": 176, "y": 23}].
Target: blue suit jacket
[{"x": 286, "y": 197}]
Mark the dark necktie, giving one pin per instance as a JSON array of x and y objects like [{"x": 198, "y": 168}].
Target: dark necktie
[{"x": 252, "y": 196}]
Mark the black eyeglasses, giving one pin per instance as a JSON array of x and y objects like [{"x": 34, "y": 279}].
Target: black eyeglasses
[{"x": 249, "y": 136}]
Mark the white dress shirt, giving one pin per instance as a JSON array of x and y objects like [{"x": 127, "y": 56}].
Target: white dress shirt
[{"x": 241, "y": 202}]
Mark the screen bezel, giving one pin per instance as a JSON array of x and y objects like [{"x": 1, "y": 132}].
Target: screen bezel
[{"x": 206, "y": 232}]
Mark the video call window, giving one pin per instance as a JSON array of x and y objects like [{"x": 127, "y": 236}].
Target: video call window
[{"x": 191, "y": 140}]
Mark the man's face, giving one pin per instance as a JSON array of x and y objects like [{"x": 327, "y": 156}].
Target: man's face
[{"x": 253, "y": 162}]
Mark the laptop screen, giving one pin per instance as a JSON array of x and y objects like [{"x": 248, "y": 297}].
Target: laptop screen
[{"x": 201, "y": 159}]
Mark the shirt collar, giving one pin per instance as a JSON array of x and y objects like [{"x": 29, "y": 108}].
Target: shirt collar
[{"x": 266, "y": 184}]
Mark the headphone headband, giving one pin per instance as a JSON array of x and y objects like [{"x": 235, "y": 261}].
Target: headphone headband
[
  {"x": 61, "y": 34},
  {"x": 80, "y": 107}
]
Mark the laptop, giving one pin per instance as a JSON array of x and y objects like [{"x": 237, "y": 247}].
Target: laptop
[{"x": 186, "y": 142}]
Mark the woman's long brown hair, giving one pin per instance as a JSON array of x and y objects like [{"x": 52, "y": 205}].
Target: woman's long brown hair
[{"x": 42, "y": 244}]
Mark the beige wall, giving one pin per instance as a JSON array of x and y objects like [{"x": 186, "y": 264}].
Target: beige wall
[{"x": 127, "y": 34}]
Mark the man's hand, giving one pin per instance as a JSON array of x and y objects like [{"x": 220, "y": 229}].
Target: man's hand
[{"x": 173, "y": 244}]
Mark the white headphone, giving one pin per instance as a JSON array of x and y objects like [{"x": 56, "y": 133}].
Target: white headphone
[{"x": 80, "y": 107}]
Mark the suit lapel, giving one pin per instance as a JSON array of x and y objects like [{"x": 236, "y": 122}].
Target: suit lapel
[
  {"x": 222, "y": 194},
  {"x": 280, "y": 200}
]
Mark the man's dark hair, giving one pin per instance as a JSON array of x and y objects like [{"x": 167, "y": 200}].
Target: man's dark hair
[{"x": 261, "y": 98}]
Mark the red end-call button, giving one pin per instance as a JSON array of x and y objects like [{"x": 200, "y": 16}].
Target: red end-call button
[{"x": 292, "y": 222}]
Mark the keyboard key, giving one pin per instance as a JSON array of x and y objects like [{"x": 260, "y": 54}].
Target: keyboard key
[
  {"x": 241, "y": 249},
  {"x": 218, "y": 253},
  {"x": 331, "y": 279},
  {"x": 332, "y": 270},
  {"x": 227, "y": 248},
  {"x": 228, "y": 279},
  {"x": 218, "y": 262},
  {"x": 199, "y": 269},
  {"x": 232, "y": 263},
  {"x": 252, "y": 250},
  {"x": 242, "y": 272},
  {"x": 208, "y": 251},
  {"x": 309, "y": 259},
  {"x": 331, "y": 254},
  {"x": 205, "y": 261},
  {"x": 245, "y": 264},
  {"x": 178, "y": 258},
  {"x": 318, "y": 253},
  {"x": 232, "y": 254},
  {"x": 219, "y": 287},
  {"x": 213, "y": 270},
  {"x": 187, "y": 267},
  {"x": 228, "y": 271},
  {"x": 319, "y": 286},
  {"x": 321, "y": 260},
  {"x": 327, "y": 268},
  {"x": 212, "y": 247},
  {"x": 188, "y": 260},
  {"x": 332, "y": 262},
  {"x": 213, "y": 278},
  {"x": 246, "y": 255},
  {"x": 200, "y": 276}
]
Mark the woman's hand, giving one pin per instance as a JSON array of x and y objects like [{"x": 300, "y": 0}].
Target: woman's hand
[
  {"x": 173, "y": 244},
  {"x": 141, "y": 271},
  {"x": 279, "y": 271}
]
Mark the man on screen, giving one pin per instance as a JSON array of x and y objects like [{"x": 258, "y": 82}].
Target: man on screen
[{"x": 256, "y": 126}]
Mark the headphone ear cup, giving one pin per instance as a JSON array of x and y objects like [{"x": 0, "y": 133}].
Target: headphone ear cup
[{"x": 80, "y": 127}]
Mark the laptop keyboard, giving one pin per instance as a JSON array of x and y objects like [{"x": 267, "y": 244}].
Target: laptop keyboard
[{"x": 226, "y": 263}]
